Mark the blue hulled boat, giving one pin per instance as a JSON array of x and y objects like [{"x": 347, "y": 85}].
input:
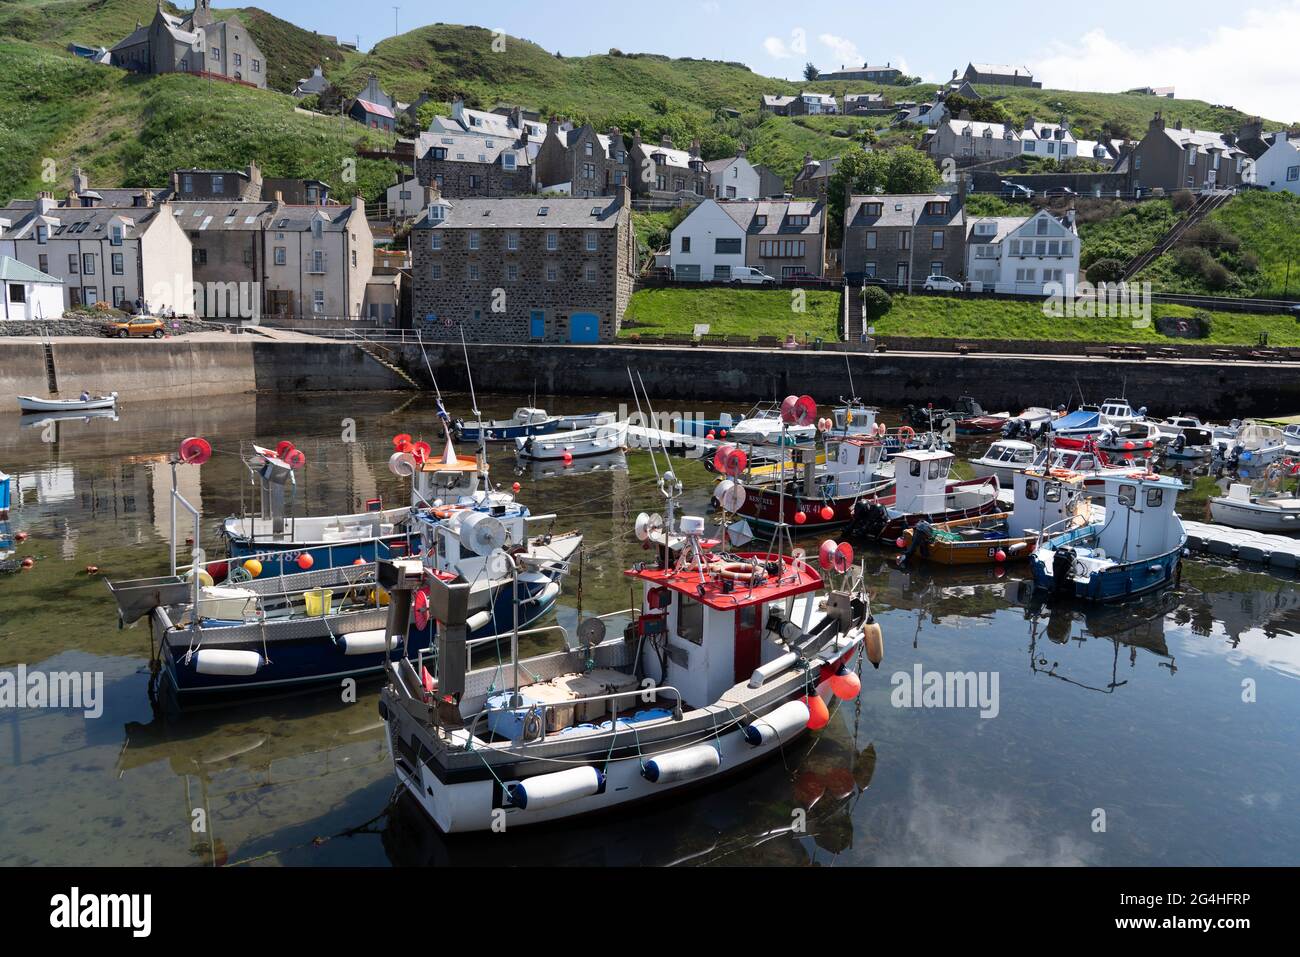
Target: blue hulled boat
[
  {"x": 6, "y": 492},
  {"x": 1133, "y": 550},
  {"x": 525, "y": 422}
]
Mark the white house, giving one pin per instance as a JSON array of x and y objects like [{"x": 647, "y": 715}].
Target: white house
[
  {"x": 707, "y": 244},
  {"x": 734, "y": 178},
  {"x": 406, "y": 199},
  {"x": 1050, "y": 140},
  {"x": 1279, "y": 168},
  {"x": 1018, "y": 254},
  {"x": 28, "y": 293}
]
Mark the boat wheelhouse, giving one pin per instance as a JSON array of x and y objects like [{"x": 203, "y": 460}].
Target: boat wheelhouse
[
  {"x": 922, "y": 491},
  {"x": 1134, "y": 549},
  {"x": 1005, "y": 459},
  {"x": 1117, "y": 412},
  {"x": 817, "y": 488},
  {"x": 727, "y": 659},
  {"x": 1252, "y": 446}
]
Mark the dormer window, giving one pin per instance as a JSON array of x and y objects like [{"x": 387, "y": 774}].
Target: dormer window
[
  {"x": 508, "y": 161},
  {"x": 436, "y": 214},
  {"x": 42, "y": 234}
]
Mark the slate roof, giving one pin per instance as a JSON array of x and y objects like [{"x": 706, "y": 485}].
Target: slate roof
[
  {"x": 522, "y": 212},
  {"x": 745, "y": 215},
  {"x": 896, "y": 210},
  {"x": 473, "y": 148}
]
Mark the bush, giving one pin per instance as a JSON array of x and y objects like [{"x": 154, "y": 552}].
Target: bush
[
  {"x": 1182, "y": 199},
  {"x": 875, "y": 302},
  {"x": 1105, "y": 270}
]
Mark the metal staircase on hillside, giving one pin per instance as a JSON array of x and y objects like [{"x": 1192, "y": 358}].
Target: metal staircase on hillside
[{"x": 1205, "y": 204}]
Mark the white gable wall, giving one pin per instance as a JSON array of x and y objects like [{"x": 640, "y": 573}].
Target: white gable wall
[{"x": 704, "y": 227}]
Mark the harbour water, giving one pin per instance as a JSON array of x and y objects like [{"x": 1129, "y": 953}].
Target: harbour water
[{"x": 1158, "y": 733}]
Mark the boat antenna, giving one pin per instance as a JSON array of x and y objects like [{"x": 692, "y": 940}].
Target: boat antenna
[
  {"x": 473, "y": 404},
  {"x": 669, "y": 485},
  {"x": 848, "y": 367}
]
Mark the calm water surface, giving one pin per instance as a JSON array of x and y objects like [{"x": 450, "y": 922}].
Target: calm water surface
[{"x": 1140, "y": 713}]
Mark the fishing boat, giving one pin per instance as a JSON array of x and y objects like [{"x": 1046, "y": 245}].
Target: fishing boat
[
  {"x": 549, "y": 468},
  {"x": 32, "y": 403},
  {"x": 1242, "y": 508},
  {"x": 921, "y": 492},
  {"x": 1252, "y": 446},
  {"x": 6, "y": 493},
  {"x": 1041, "y": 500},
  {"x": 1291, "y": 439},
  {"x": 1173, "y": 426},
  {"x": 728, "y": 658},
  {"x": 971, "y": 419},
  {"x": 1135, "y": 548},
  {"x": 585, "y": 420},
  {"x": 1118, "y": 413},
  {"x": 1082, "y": 422},
  {"x": 567, "y": 446},
  {"x": 525, "y": 422},
  {"x": 1132, "y": 436},
  {"x": 1032, "y": 421},
  {"x": 1189, "y": 444},
  {"x": 226, "y": 627},
  {"x": 1005, "y": 459}
]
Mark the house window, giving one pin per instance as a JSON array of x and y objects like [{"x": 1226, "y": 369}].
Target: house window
[
  {"x": 74, "y": 264},
  {"x": 280, "y": 256},
  {"x": 472, "y": 272},
  {"x": 239, "y": 60},
  {"x": 869, "y": 270},
  {"x": 318, "y": 301},
  {"x": 473, "y": 239},
  {"x": 936, "y": 239},
  {"x": 508, "y": 161},
  {"x": 354, "y": 259},
  {"x": 17, "y": 293},
  {"x": 871, "y": 239},
  {"x": 723, "y": 246},
  {"x": 42, "y": 234},
  {"x": 435, "y": 241},
  {"x": 936, "y": 268},
  {"x": 473, "y": 182},
  {"x": 686, "y": 244},
  {"x": 117, "y": 264},
  {"x": 1292, "y": 174},
  {"x": 88, "y": 264},
  {"x": 512, "y": 241},
  {"x": 115, "y": 236},
  {"x": 587, "y": 148},
  {"x": 512, "y": 272},
  {"x": 119, "y": 295},
  {"x": 43, "y": 262},
  {"x": 439, "y": 153},
  {"x": 552, "y": 272},
  {"x": 218, "y": 184},
  {"x": 216, "y": 53},
  {"x": 591, "y": 242},
  {"x": 552, "y": 241},
  {"x": 435, "y": 271},
  {"x": 257, "y": 66},
  {"x": 1041, "y": 227},
  {"x": 591, "y": 274},
  {"x": 588, "y": 170},
  {"x": 905, "y": 240}
]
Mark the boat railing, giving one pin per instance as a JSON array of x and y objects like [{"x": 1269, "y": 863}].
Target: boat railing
[
  {"x": 648, "y": 695},
  {"x": 1063, "y": 532},
  {"x": 473, "y": 643}
]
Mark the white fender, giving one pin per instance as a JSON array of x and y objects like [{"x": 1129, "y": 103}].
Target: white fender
[
  {"x": 226, "y": 661},
  {"x": 682, "y": 765},
  {"x": 779, "y": 725},
  {"x": 367, "y": 642},
  {"x": 772, "y": 668},
  {"x": 478, "y": 620},
  {"x": 559, "y": 787}
]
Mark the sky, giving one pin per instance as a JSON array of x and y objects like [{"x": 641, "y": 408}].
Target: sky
[{"x": 1240, "y": 54}]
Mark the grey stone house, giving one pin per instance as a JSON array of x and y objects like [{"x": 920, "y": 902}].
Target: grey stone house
[
  {"x": 783, "y": 237},
  {"x": 892, "y": 237},
  {"x": 876, "y": 74},
  {"x": 667, "y": 174},
  {"x": 972, "y": 141},
  {"x": 1000, "y": 74},
  {"x": 198, "y": 43},
  {"x": 465, "y": 165},
  {"x": 1172, "y": 158},
  {"x": 545, "y": 269},
  {"x": 590, "y": 163},
  {"x": 813, "y": 180}
]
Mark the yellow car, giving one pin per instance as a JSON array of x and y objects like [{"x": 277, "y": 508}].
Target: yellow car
[{"x": 135, "y": 326}]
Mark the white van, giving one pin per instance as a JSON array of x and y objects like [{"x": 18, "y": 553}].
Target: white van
[{"x": 752, "y": 275}]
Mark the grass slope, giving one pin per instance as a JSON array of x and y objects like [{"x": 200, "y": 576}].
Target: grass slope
[
  {"x": 736, "y": 312},
  {"x": 131, "y": 130}
]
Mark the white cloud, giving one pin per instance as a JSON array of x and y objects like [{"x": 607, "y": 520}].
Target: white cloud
[
  {"x": 1248, "y": 66},
  {"x": 776, "y": 48},
  {"x": 845, "y": 50}
]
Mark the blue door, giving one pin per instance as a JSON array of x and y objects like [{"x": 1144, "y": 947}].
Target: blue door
[
  {"x": 584, "y": 327},
  {"x": 537, "y": 324}
]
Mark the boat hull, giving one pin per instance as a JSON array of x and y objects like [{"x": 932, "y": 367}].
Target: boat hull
[
  {"x": 764, "y": 507},
  {"x": 506, "y": 433},
  {"x": 974, "y": 551},
  {"x": 31, "y": 403},
  {"x": 1119, "y": 583},
  {"x": 1254, "y": 517}
]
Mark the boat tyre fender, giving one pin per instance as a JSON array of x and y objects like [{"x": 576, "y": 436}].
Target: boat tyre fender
[{"x": 869, "y": 519}]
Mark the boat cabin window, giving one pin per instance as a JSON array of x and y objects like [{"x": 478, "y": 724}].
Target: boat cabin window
[
  {"x": 1031, "y": 490},
  {"x": 914, "y": 469},
  {"x": 690, "y": 619},
  {"x": 1128, "y": 495},
  {"x": 1052, "y": 492},
  {"x": 1155, "y": 497},
  {"x": 938, "y": 469}
]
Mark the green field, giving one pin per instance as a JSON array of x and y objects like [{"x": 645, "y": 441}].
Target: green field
[
  {"x": 767, "y": 312},
  {"x": 734, "y": 312}
]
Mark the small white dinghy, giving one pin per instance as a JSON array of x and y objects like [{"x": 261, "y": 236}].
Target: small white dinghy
[
  {"x": 1240, "y": 509},
  {"x": 31, "y": 403},
  {"x": 601, "y": 440}
]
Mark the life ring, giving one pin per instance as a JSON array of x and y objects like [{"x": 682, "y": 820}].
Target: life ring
[
  {"x": 906, "y": 433},
  {"x": 445, "y": 511},
  {"x": 295, "y": 459},
  {"x": 1060, "y": 473},
  {"x": 736, "y": 571},
  {"x": 421, "y": 603}
]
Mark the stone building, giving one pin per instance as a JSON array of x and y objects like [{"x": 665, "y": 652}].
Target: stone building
[
  {"x": 893, "y": 237},
  {"x": 582, "y": 162},
  {"x": 1171, "y": 157},
  {"x": 667, "y": 174},
  {"x": 465, "y": 165},
  {"x": 198, "y": 43},
  {"x": 544, "y": 269}
]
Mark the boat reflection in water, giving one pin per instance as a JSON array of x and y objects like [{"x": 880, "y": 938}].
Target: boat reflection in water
[{"x": 540, "y": 468}]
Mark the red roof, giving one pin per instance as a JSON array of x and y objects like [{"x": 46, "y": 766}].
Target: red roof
[
  {"x": 375, "y": 108},
  {"x": 795, "y": 579}
]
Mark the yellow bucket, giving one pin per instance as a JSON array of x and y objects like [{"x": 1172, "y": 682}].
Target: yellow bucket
[
  {"x": 318, "y": 602},
  {"x": 377, "y": 597}
]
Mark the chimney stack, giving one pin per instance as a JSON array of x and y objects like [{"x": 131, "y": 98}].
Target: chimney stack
[{"x": 666, "y": 141}]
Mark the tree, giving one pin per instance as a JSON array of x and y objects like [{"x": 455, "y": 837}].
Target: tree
[
  {"x": 1105, "y": 270},
  {"x": 875, "y": 303},
  {"x": 810, "y": 71},
  {"x": 982, "y": 111},
  {"x": 899, "y": 170}
]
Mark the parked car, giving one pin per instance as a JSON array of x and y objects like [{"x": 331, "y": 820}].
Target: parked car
[
  {"x": 802, "y": 276},
  {"x": 1012, "y": 190},
  {"x": 751, "y": 275},
  {"x": 1058, "y": 192},
  {"x": 134, "y": 326},
  {"x": 942, "y": 284}
]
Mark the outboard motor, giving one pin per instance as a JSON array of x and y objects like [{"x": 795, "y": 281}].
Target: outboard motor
[
  {"x": 869, "y": 520},
  {"x": 922, "y": 536},
  {"x": 1180, "y": 442},
  {"x": 1011, "y": 429},
  {"x": 1063, "y": 560}
]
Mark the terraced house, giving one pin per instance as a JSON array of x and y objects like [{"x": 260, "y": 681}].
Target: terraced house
[
  {"x": 464, "y": 165},
  {"x": 894, "y": 238},
  {"x": 545, "y": 269},
  {"x": 667, "y": 174},
  {"x": 1172, "y": 158},
  {"x": 582, "y": 162}
]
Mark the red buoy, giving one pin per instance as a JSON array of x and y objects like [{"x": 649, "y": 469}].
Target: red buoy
[
  {"x": 818, "y": 713},
  {"x": 305, "y": 561},
  {"x": 800, "y": 518},
  {"x": 515, "y": 488},
  {"x": 846, "y": 684},
  {"x": 827, "y": 513}
]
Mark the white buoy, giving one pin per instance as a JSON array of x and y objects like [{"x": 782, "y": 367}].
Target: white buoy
[
  {"x": 478, "y": 620},
  {"x": 367, "y": 642},
  {"x": 546, "y": 595},
  {"x": 682, "y": 765},
  {"x": 559, "y": 787},
  {"x": 780, "y": 725},
  {"x": 774, "y": 667},
  {"x": 226, "y": 661}
]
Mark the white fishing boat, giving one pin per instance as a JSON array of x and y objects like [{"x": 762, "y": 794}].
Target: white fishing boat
[
  {"x": 32, "y": 403},
  {"x": 1173, "y": 426},
  {"x": 1241, "y": 508},
  {"x": 526, "y": 421},
  {"x": 1132, "y": 436},
  {"x": 729, "y": 657},
  {"x": 1291, "y": 439},
  {"x": 1117, "y": 412},
  {"x": 1005, "y": 459},
  {"x": 586, "y": 420},
  {"x": 567, "y": 446},
  {"x": 1033, "y": 420},
  {"x": 1253, "y": 446},
  {"x": 1189, "y": 444}
]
